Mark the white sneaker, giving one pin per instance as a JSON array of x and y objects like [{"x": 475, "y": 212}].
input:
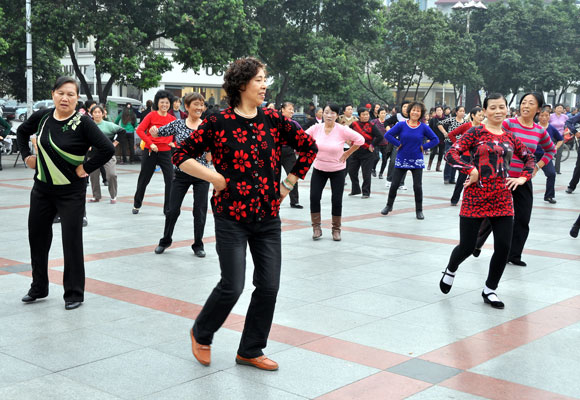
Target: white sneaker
[
  {"x": 402, "y": 187},
  {"x": 388, "y": 184}
]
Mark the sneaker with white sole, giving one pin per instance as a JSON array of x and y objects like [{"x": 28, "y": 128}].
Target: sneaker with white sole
[{"x": 402, "y": 187}]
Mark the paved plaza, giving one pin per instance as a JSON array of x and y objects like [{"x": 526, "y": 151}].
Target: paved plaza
[{"x": 358, "y": 319}]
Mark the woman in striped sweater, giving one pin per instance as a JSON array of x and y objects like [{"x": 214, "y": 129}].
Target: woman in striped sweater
[{"x": 531, "y": 135}]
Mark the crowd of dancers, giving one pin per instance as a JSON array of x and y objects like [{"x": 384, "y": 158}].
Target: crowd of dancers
[{"x": 240, "y": 151}]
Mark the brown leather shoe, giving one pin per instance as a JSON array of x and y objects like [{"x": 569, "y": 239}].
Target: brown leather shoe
[
  {"x": 261, "y": 362},
  {"x": 201, "y": 352}
]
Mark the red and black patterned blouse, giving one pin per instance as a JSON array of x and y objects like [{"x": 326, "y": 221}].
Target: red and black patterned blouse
[
  {"x": 369, "y": 131},
  {"x": 491, "y": 155},
  {"x": 247, "y": 153}
]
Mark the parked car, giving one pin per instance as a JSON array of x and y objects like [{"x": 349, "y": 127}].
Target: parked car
[
  {"x": 300, "y": 118},
  {"x": 9, "y": 109},
  {"x": 21, "y": 114},
  {"x": 42, "y": 104}
]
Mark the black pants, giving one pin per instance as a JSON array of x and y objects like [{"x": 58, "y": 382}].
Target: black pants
[
  {"x": 232, "y": 238},
  {"x": 288, "y": 160},
  {"x": 127, "y": 143},
  {"x": 576, "y": 174},
  {"x": 458, "y": 187},
  {"x": 391, "y": 168},
  {"x": 317, "y": 184},
  {"x": 523, "y": 203},
  {"x": 468, "y": 231},
  {"x": 179, "y": 188},
  {"x": 361, "y": 159},
  {"x": 148, "y": 162},
  {"x": 448, "y": 171},
  {"x": 438, "y": 150},
  {"x": 558, "y": 159},
  {"x": 385, "y": 151},
  {"x": 417, "y": 186},
  {"x": 46, "y": 201}
]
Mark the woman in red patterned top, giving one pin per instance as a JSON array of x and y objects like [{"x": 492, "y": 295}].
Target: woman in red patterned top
[
  {"x": 246, "y": 145},
  {"x": 487, "y": 192}
]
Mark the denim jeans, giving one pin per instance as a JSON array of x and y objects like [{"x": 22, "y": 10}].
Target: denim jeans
[{"x": 232, "y": 239}]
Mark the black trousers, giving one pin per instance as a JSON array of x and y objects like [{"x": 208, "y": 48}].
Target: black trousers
[
  {"x": 127, "y": 143},
  {"x": 438, "y": 150},
  {"x": 417, "y": 186},
  {"x": 288, "y": 160},
  {"x": 361, "y": 159},
  {"x": 179, "y": 188},
  {"x": 448, "y": 171},
  {"x": 576, "y": 174},
  {"x": 391, "y": 168},
  {"x": 458, "y": 187},
  {"x": 232, "y": 239},
  {"x": 385, "y": 151},
  {"x": 317, "y": 184},
  {"x": 46, "y": 201},
  {"x": 523, "y": 202},
  {"x": 148, "y": 162},
  {"x": 468, "y": 231}
]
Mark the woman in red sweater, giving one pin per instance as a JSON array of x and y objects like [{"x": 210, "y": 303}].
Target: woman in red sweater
[{"x": 157, "y": 149}]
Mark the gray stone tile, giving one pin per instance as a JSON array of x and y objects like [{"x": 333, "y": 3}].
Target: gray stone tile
[
  {"x": 137, "y": 374},
  {"x": 13, "y": 370},
  {"x": 52, "y": 386},
  {"x": 306, "y": 373},
  {"x": 417, "y": 290},
  {"x": 311, "y": 291},
  {"x": 442, "y": 393},
  {"x": 425, "y": 370},
  {"x": 401, "y": 337},
  {"x": 68, "y": 349},
  {"x": 370, "y": 303},
  {"x": 321, "y": 319},
  {"x": 18, "y": 268},
  {"x": 536, "y": 369},
  {"x": 222, "y": 385}
]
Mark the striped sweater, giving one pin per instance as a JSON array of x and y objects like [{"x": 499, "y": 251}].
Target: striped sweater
[{"x": 532, "y": 138}]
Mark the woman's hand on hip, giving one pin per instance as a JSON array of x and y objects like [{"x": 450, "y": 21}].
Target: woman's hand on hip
[
  {"x": 473, "y": 177},
  {"x": 219, "y": 183},
  {"x": 513, "y": 183},
  {"x": 80, "y": 170}
]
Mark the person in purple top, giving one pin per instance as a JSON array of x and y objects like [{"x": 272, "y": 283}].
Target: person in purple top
[{"x": 408, "y": 137}]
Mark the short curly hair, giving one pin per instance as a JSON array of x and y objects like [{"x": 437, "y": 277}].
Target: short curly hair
[{"x": 239, "y": 73}]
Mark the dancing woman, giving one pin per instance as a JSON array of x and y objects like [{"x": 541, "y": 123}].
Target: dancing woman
[
  {"x": 408, "y": 137},
  {"x": 531, "y": 135},
  {"x": 330, "y": 164},
  {"x": 487, "y": 192},
  {"x": 549, "y": 169},
  {"x": 181, "y": 129},
  {"x": 449, "y": 124},
  {"x": 246, "y": 143}
]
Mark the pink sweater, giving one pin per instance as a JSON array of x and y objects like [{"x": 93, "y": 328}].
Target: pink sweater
[{"x": 331, "y": 146}]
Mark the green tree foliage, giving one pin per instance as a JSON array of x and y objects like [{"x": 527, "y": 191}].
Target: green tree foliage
[
  {"x": 306, "y": 44},
  {"x": 45, "y": 54}
]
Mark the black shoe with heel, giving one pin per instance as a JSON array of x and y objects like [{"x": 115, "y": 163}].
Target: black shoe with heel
[{"x": 494, "y": 303}]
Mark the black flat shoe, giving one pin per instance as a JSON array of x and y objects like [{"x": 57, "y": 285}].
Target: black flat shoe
[
  {"x": 199, "y": 252},
  {"x": 71, "y": 305},
  {"x": 445, "y": 288},
  {"x": 519, "y": 263},
  {"x": 296, "y": 205},
  {"x": 574, "y": 230},
  {"x": 495, "y": 304},
  {"x": 550, "y": 200},
  {"x": 420, "y": 215},
  {"x": 453, "y": 203},
  {"x": 386, "y": 210},
  {"x": 135, "y": 210},
  {"x": 476, "y": 252},
  {"x": 29, "y": 299},
  {"x": 160, "y": 249},
  {"x": 569, "y": 191},
  {"x": 354, "y": 193}
]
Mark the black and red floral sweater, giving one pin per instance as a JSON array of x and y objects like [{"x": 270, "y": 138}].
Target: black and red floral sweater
[
  {"x": 491, "y": 155},
  {"x": 247, "y": 153},
  {"x": 370, "y": 132}
]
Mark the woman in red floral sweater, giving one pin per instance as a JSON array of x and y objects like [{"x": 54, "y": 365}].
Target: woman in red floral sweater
[
  {"x": 487, "y": 192},
  {"x": 246, "y": 145}
]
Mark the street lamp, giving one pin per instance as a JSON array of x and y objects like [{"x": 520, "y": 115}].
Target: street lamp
[{"x": 468, "y": 8}]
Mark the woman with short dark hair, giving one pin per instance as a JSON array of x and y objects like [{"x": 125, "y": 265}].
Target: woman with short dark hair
[
  {"x": 60, "y": 186},
  {"x": 289, "y": 155},
  {"x": 245, "y": 142},
  {"x": 181, "y": 129},
  {"x": 157, "y": 150},
  {"x": 408, "y": 137}
]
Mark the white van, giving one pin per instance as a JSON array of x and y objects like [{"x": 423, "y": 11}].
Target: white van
[{"x": 116, "y": 104}]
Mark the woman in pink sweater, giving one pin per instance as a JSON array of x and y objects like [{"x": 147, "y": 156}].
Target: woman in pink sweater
[{"x": 330, "y": 163}]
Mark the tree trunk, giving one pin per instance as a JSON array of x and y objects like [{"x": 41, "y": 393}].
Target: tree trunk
[
  {"x": 427, "y": 92},
  {"x": 280, "y": 96},
  {"x": 417, "y": 88},
  {"x": 105, "y": 93},
  {"x": 78, "y": 72}
]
